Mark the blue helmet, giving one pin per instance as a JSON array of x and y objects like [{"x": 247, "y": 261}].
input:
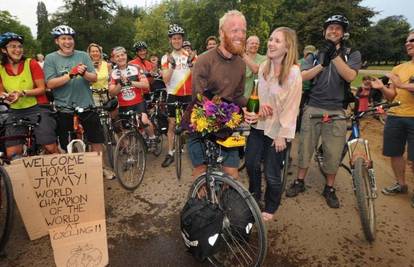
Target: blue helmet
[{"x": 6, "y": 37}]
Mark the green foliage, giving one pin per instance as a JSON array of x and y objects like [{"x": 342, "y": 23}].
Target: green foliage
[{"x": 8, "y": 23}]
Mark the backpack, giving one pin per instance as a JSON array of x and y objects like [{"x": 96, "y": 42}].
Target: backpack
[
  {"x": 201, "y": 224},
  {"x": 348, "y": 95}
]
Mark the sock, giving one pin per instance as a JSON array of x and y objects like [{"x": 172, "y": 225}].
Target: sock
[
  {"x": 152, "y": 137},
  {"x": 171, "y": 152}
]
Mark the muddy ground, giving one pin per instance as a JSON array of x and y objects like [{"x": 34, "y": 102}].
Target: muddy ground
[{"x": 143, "y": 226}]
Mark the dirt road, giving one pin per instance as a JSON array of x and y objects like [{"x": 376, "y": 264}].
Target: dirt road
[{"x": 143, "y": 226}]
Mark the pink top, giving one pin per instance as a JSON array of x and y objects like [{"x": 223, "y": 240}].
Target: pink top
[{"x": 284, "y": 100}]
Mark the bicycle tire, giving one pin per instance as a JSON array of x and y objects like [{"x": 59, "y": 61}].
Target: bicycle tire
[
  {"x": 365, "y": 202},
  {"x": 109, "y": 145},
  {"x": 285, "y": 170},
  {"x": 178, "y": 155},
  {"x": 236, "y": 244},
  {"x": 130, "y": 158},
  {"x": 319, "y": 159},
  {"x": 6, "y": 208}
]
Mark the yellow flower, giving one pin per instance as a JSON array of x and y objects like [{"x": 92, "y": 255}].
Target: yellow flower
[
  {"x": 202, "y": 124},
  {"x": 235, "y": 120}
]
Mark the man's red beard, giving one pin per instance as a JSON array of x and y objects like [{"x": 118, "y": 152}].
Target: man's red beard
[{"x": 235, "y": 50}]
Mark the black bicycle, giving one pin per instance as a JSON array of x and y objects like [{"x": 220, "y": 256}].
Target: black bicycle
[
  {"x": 243, "y": 235},
  {"x": 6, "y": 192},
  {"x": 361, "y": 165}
]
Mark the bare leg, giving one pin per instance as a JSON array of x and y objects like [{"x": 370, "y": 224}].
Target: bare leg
[{"x": 398, "y": 166}]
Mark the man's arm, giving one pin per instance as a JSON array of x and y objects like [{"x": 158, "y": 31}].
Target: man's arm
[
  {"x": 253, "y": 66},
  {"x": 346, "y": 72},
  {"x": 309, "y": 74},
  {"x": 199, "y": 76}
]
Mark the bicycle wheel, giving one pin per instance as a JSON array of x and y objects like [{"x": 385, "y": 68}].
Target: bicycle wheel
[
  {"x": 109, "y": 145},
  {"x": 243, "y": 236},
  {"x": 6, "y": 208},
  {"x": 319, "y": 159},
  {"x": 130, "y": 160},
  {"x": 178, "y": 143},
  {"x": 365, "y": 201},
  {"x": 285, "y": 170}
]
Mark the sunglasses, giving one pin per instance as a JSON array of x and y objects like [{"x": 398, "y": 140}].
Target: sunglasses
[{"x": 410, "y": 41}]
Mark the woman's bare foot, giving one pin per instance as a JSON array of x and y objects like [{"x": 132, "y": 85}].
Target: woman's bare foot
[{"x": 267, "y": 216}]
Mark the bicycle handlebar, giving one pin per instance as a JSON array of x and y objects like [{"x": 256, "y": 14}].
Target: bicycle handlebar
[{"x": 377, "y": 108}]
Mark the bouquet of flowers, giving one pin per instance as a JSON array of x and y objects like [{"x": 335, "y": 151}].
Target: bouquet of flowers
[{"x": 213, "y": 116}]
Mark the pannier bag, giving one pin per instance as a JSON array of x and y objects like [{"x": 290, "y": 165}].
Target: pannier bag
[{"x": 201, "y": 224}]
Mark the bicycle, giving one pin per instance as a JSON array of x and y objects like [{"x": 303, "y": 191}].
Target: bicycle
[
  {"x": 178, "y": 136},
  {"x": 130, "y": 152},
  {"x": 243, "y": 235},
  {"x": 361, "y": 165},
  {"x": 6, "y": 191}
]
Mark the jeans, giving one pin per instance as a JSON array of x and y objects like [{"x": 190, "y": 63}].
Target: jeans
[{"x": 260, "y": 147}]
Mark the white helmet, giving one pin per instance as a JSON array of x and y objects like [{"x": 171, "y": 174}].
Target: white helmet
[{"x": 62, "y": 30}]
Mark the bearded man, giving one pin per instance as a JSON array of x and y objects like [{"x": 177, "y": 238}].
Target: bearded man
[{"x": 221, "y": 71}]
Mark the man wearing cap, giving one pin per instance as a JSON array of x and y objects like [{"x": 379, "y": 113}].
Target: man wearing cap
[{"x": 335, "y": 68}]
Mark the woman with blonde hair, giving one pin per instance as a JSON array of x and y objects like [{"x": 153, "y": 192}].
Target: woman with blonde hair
[
  {"x": 102, "y": 69},
  {"x": 280, "y": 89}
]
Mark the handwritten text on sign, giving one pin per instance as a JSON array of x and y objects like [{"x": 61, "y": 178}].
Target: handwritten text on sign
[{"x": 60, "y": 183}]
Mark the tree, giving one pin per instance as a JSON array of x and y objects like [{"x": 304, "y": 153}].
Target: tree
[
  {"x": 43, "y": 29},
  {"x": 9, "y": 23}
]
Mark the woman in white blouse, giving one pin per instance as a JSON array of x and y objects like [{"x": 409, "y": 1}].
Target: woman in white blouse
[{"x": 280, "y": 89}]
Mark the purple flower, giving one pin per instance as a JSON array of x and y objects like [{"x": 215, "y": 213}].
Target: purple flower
[{"x": 210, "y": 108}]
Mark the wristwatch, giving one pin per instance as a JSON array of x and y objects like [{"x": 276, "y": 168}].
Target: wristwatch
[{"x": 24, "y": 92}]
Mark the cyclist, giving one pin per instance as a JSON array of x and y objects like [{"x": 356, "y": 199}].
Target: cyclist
[
  {"x": 221, "y": 71},
  {"x": 187, "y": 47},
  {"x": 176, "y": 73},
  {"x": 337, "y": 67},
  {"x": 145, "y": 66},
  {"x": 102, "y": 68},
  {"x": 126, "y": 83},
  {"x": 69, "y": 73},
  {"x": 22, "y": 83},
  {"x": 399, "y": 127}
]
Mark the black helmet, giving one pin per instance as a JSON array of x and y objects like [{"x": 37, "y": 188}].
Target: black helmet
[
  {"x": 62, "y": 30},
  {"x": 140, "y": 45},
  {"x": 6, "y": 37},
  {"x": 337, "y": 19},
  {"x": 175, "y": 29}
]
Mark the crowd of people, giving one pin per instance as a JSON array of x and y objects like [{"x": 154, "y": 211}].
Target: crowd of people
[{"x": 287, "y": 87}]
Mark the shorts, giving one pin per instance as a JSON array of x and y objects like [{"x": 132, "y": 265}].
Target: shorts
[
  {"x": 139, "y": 108},
  {"x": 197, "y": 153},
  {"x": 90, "y": 122},
  {"x": 332, "y": 134},
  {"x": 45, "y": 132},
  {"x": 174, "y": 98},
  {"x": 398, "y": 132}
]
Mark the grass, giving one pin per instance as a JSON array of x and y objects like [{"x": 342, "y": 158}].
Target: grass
[
  {"x": 358, "y": 80},
  {"x": 380, "y": 67}
]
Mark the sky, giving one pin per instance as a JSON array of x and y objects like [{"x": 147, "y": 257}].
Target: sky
[{"x": 25, "y": 10}]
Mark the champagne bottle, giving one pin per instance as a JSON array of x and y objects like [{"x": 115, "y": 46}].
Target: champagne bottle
[{"x": 253, "y": 102}]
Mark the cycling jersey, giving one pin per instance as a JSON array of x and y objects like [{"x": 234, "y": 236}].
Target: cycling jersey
[
  {"x": 146, "y": 67},
  {"x": 129, "y": 95},
  {"x": 180, "y": 82}
]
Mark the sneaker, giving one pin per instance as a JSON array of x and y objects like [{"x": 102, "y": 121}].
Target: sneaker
[
  {"x": 330, "y": 196},
  {"x": 298, "y": 186},
  {"x": 395, "y": 189},
  {"x": 153, "y": 144},
  {"x": 167, "y": 161}
]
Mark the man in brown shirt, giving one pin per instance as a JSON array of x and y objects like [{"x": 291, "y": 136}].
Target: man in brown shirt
[{"x": 222, "y": 72}]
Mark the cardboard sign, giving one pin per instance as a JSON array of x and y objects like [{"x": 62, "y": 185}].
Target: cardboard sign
[{"x": 63, "y": 195}]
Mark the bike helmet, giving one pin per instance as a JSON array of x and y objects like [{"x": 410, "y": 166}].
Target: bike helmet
[
  {"x": 62, "y": 30},
  {"x": 337, "y": 19},
  {"x": 175, "y": 29},
  {"x": 140, "y": 45},
  {"x": 6, "y": 37},
  {"x": 187, "y": 43}
]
